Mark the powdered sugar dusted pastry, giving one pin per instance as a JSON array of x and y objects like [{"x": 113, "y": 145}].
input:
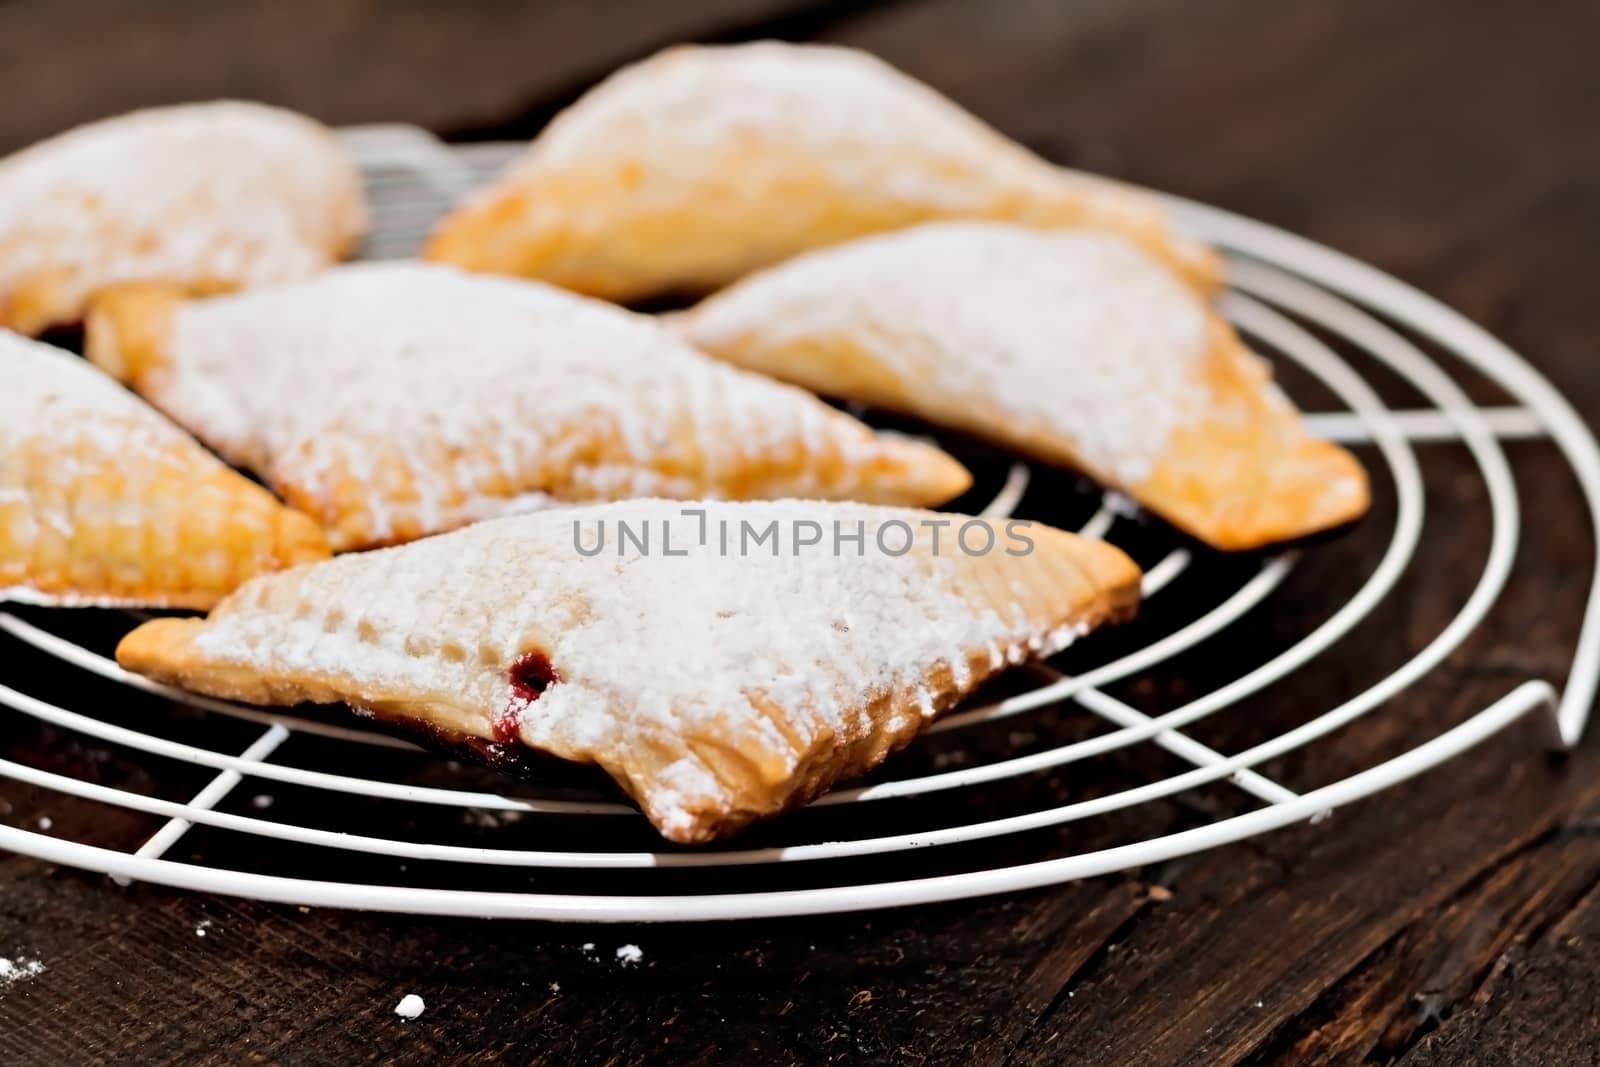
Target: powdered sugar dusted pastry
[
  {"x": 210, "y": 197},
  {"x": 396, "y": 400},
  {"x": 750, "y": 656},
  {"x": 104, "y": 502},
  {"x": 1071, "y": 346},
  {"x": 701, "y": 164}
]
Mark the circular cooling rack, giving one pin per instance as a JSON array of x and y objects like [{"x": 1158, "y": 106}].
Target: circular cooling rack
[{"x": 1052, "y": 779}]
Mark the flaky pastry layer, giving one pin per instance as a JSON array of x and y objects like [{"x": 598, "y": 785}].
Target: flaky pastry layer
[{"x": 103, "y": 502}]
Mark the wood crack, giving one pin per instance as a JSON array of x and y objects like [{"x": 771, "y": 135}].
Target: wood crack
[
  {"x": 1085, "y": 968},
  {"x": 1446, "y": 958}
]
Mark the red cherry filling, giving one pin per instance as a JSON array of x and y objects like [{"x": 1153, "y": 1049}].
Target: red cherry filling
[{"x": 530, "y": 675}]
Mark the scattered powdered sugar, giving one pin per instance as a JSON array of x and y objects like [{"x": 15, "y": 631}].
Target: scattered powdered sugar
[
  {"x": 410, "y": 1006},
  {"x": 201, "y": 927},
  {"x": 491, "y": 818},
  {"x": 216, "y": 192},
  {"x": 400, "y": 399},
  {"x": 1076, "y": 334},
  {"x": 45, "y": 822},
  {"x": 629, "y": 954},
  {"x": 19, "y": 969},
  {"x": 696, "y": 649},
  {"x": 1121, "y": 506}
]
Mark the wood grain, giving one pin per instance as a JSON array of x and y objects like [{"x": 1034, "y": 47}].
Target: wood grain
[
  {"x": 1453, "y": 920},
  {"x": 449, "y": 67}
]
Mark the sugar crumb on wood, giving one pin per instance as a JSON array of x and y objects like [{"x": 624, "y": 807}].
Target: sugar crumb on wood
[{"x": 19, "y": 969}]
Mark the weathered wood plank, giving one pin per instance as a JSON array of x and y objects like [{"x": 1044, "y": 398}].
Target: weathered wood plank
[
  {"x": 1541, "y": 1004},
  {"x": 1423, "y": 980}
]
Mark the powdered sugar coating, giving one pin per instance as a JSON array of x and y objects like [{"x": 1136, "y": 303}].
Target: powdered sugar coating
[
  {"x": 47, "y": 394},
  {"x": 1075, "y": 333},
  {"x": 847, "y": 108},
  {"x": 394, "y": 400},
  {"x": 694, "y": 167},
  {"x": 214, "y": 196},
  {"x": 715, "y": 682}
]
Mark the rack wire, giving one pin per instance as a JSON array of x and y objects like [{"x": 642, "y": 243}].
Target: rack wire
[{"x": 932, "y": 834}]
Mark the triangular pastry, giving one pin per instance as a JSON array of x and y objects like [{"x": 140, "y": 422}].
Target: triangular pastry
[
  {"x": 391, "y": 401},
  {"x": 688, "y": 170},
  {"x": 104, "y": 502},
  {"x": 210, "y": 197},
  {"x": 1071, "y": 346},
  {"x": 721, "y": 661}
]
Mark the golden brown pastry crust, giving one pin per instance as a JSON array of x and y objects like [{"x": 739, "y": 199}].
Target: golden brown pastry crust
[
  {"x": 392, "y": 401},
  {"x": 716, "y": 688},
  {"x": 208, "y": 197},
  {"x": 103, "y": 502},
  {"x": 695, "y": 167},
  {"x": 1070, "y": 347}
]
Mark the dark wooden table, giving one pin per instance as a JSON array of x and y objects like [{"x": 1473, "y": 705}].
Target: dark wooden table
[{"x": 1455, "y": 919}]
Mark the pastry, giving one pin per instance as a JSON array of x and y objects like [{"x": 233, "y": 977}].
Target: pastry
[
  {"x": 721, "y": 661},
  {"x": 104, "y": 502},
  {"x": 396, "y": 400},
  {"x": 1073, "y": 347},
  {"x": 688, "y": 170},
  {"x": 210, "y": 197}
]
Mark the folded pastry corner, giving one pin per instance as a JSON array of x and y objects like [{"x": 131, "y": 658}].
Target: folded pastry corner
[
  {"x": 1073, "y": 347},
  {"x": 128, "y": 327},
  {"x": 694, "y": 167},
  {"x": 392, "y": 401},
  {"x": 735, "y": 662},
  {"x": 210, "y": 197},
  {"x": 103, "y": 502},
  {"x": 1245, "y": 474}
]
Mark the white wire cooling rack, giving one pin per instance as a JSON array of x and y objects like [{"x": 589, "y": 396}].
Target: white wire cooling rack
[{"x": 1297, "y": 300}]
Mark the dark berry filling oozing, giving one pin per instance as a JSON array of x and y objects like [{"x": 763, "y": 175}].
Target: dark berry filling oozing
[{"x": 530, "y": 675}]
